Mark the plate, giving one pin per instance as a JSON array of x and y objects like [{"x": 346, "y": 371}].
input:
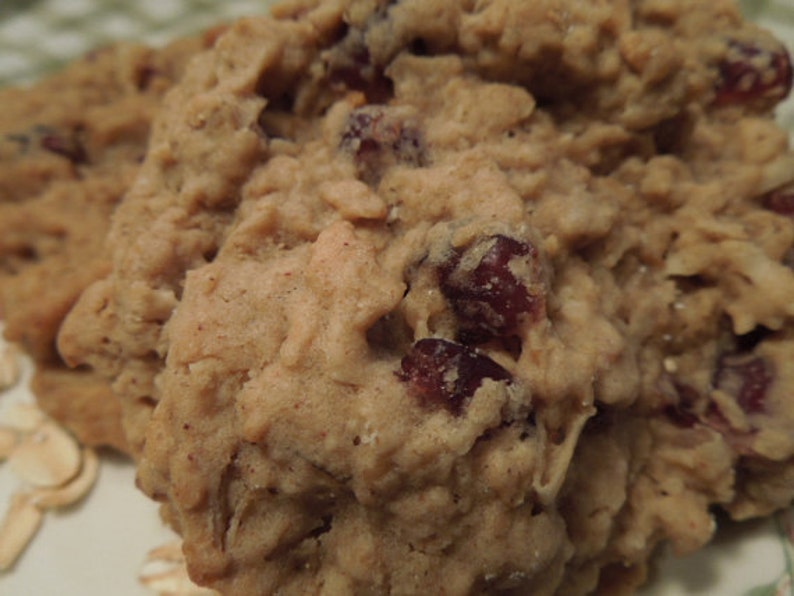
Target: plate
[
  {"x": 98, "y": 547},
  {"x": 94, "y": 548}
]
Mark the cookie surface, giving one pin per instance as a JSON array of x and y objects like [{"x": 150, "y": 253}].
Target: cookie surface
[
  {"x": 70, "y": 147},
  {"x": 430, "y": 296}
]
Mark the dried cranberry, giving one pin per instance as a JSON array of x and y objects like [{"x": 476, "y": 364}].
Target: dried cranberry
[
  {"x": 441, "y": 373},
  {"x": 751, "y": 74},
  {"x": 781, "y": 201},
  {"x": 66, "y": 146},
  {"x": 492, "y": 285},
  {"x": 747, "y": 378},
  {"x": 377, "y": 138}
]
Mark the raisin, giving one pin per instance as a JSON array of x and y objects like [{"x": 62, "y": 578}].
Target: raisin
[
  {"x": 492, "y": 286},
  {"x": 747, "y": 378},
  {"x": 752, "y": 74},
  {"x": 377, "y": 138},
  {"x": 441, "y": 373}
]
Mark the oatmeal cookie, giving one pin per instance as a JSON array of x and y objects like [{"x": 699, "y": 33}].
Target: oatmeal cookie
[
  {"x": 70, "y": 147},
  {"x": 435, "y": 296}
]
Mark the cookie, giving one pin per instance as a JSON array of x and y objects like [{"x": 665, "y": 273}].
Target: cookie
[
  {"x": 451, "y": 297},
  {"x": 70, "y": 147}
]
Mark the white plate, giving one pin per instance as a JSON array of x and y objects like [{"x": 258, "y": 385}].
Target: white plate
[{"x": 95, "y": 548}]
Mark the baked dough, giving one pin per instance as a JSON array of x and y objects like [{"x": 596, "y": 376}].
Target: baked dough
[
  {"x": 451, "y": 297},
  {"x": 70, "y": 147}
]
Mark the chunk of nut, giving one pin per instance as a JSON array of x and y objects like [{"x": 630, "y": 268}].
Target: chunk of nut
[
  {"x": 21, "y": 522},
  {"x": 164, "y": 572},
  {"x": 47, "y": 457}
]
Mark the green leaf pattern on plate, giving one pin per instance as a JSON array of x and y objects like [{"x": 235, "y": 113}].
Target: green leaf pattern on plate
[{"x": 38, "y": 36}]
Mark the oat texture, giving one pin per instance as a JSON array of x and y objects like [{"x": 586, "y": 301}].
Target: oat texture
[
  {"x": 70, "y": 146},
  {"x": 439, "y": 296}
]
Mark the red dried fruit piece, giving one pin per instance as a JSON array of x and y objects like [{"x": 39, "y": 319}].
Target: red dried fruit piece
[
  {"x": 66, "y": 146},
  {"x": 378, "y": 138},
  {"x": 781, "y": 201},
  {"x": 747, "y": 378},
  {"x": 752, "y": 74},
  {"x": 441, "y": 373},
  {"x": 492, "y": 286}
]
